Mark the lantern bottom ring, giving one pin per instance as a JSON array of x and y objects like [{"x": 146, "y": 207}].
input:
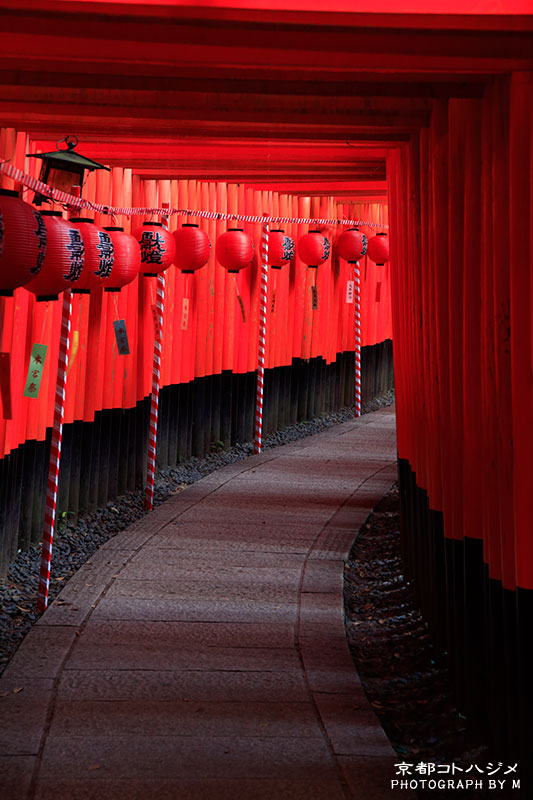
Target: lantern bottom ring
[{"x": 81, "y": 291}]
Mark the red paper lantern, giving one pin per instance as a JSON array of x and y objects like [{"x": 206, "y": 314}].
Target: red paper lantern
[
  {"x": 22, "y": 242},
  {"x": 127, "y": 259},
  {"x": 234, "y": 249},
  {"x": 378, "y": 249},
  {"x": 314, "y": 248},
  {"x": 63, "y": 264},
  {"x": 99, "y": 256},
  {"x": 192, "y": 247},
  {"x": 157, "y": 248},
  {"x": 280, "y": 248},
  {"x": 352, "y": 245}
]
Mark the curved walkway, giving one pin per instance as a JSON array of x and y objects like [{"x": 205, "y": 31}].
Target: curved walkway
[{"x": 201, "y": 654}]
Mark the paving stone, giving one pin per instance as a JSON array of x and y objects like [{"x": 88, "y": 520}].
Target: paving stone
[
  {"x": 24, "y": 705},
  {"x": 41, "y": 654},
  {"x": 15, "y": 776},
  {"x": 370, "y": 777},
  {"x": 193, "y": 558},
  {"x": 159, "y": 654},
  {"x": 84, "y": 589},
  {"x": 336, "y": 657},
  {"x": 186, "y": 589},
  {"x": 202, "y": 545},
  {"x": 186, "y": 686},
  {"x": 352, "y": 727},
  {"x": 323, "y": 577},
  {"x": 211, "y": 789},
  {"x": 183, "y": 634},
  {"x": 334, "y": 543},
  {"x": 256, "y": 514},
  {"x": 195, "y": 610},
  {"x": 211, "y": 572},
  {"x": 320, "y": 607},
  {"x": 141, "y": 718},
  {"x": 185, "y": 757},
  {"x": 350, "y": 519}
]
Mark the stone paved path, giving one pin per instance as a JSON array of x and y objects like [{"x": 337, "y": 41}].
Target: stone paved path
[{"x": 201, "y": 653}]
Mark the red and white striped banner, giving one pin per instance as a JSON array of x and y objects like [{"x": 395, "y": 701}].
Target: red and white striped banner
[
  {"x": 154, "y": 404},
  {"x": 55, "y": 454},
  {"x": 77, "y": 202},
  {"x": 262, "y": 341},
  {"x": 357, "y": 316}
]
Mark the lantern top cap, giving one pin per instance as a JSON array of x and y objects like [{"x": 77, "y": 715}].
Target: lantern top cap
[
  {"x": 68, "y": 157},
  {"x": 9, "y": 193},
  {"x": 114, "y": 228}
]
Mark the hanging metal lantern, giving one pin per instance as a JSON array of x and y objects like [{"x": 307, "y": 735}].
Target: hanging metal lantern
[
  {"x": 192, "y": 248},
  {"x": 234, "y": 249},
  {"x": 61, "y": 267},
  {"x": 22, "y": 242},
  {"x": 158, "y": 248},
  {"x": 127, "y": 259},
  {"x": 352, "y": 245},
  {"x": 314, "y": 248},
  {"x": 378, "y": 249},
  {"x": 64, "y": 169},
  {"x": 99, "y": 256},
  {"x": 280, "y": 248}
]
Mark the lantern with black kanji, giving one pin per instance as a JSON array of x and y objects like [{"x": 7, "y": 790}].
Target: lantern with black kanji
[
  {"x": 378, "y": 249},
  {"x": 192, "y": 248},
  {"x": 280, "y": 248},
  {"x": 127, "y": 259},
  {"x": 99, "y": 256},
  {"x": 158, "y": 248},
  {"x": 314, "y": 248},
  {"x": 22, "y": 242},
  {"x": 63, "y": 169},
  {"x": 234, "y": 249},
  {"x": 352, "y": 245},
  {"x": 62, "y": 265}
]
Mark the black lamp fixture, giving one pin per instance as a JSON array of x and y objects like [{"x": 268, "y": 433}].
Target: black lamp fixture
[{"x": 63, "y": 169}]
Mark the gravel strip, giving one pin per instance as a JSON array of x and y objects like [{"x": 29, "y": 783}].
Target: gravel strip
[
  {"x": 74, "y": 543},
  {"x": 405, "y": 677}
]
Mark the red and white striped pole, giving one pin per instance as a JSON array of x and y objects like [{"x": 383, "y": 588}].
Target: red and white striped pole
[
  {"x": 262, "y": 341},
  {"x": 357, "y": 305},
  {"x": 154, "y": 405},
  {"x": 55, "y": 455}
]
